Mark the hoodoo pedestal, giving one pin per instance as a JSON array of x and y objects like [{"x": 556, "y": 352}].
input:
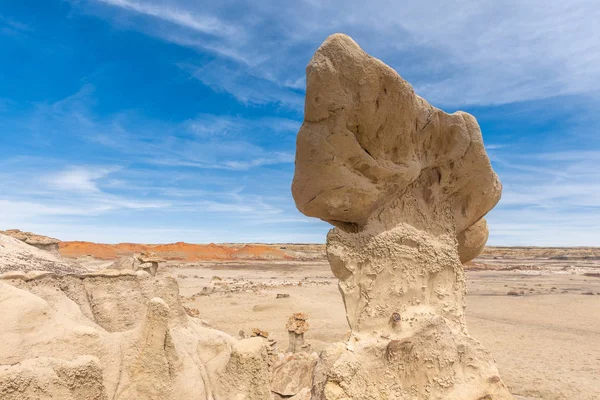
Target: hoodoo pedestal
[{"x": 406, "y": 186}]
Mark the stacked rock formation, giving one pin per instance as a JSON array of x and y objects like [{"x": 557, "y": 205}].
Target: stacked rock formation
[
  {"x": 296, "y": 327},
  {"x": 148, "y": 262},
  {"x": 406, "y": 186}
]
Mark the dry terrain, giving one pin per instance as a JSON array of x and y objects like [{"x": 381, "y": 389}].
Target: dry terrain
[
  {"x": 541, "y": 323},
  {"x": 537, "y": 310}
]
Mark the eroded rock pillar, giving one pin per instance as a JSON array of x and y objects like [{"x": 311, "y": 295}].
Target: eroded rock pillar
[{"x": 406, "y": 186}]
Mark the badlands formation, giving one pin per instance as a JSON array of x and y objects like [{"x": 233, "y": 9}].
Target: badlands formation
[
  {"x": 113, "y": 334},
  {"x": 406, "y": 187}
]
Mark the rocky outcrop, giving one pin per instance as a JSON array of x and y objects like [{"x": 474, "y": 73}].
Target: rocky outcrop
[
  {"x": 45, "y": 377},
  {"x": 406, "y": 186},
  {"x": 135, "y": 337},
  {"x": 148, "y": 261},
  {"x": 16, "y": 255},
  {"x": 41, "y": 242}
]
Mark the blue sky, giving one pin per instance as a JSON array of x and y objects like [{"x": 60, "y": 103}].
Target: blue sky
[{"x": 167, "y": 120}]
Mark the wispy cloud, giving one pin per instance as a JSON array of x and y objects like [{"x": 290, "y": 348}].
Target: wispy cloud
[
  {"x": 246, "y": 87},
  {"x": 79, "y": 178},
  {"x": 207, "y": 141},
  {"x": 465, "y": 52},
  {"x": 277, "y": 158},
  {"x": 210, "y": 125},
  {"x": 195, "y": 21},
  {"x": 128, "y": 167},
  {"x": 555, "y": 205},
  {"x": 152, "y": 157},
  {"x": 12, "y": 27}
]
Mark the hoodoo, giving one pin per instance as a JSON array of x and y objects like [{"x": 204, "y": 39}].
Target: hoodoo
[{"x": 406, "y": 186}]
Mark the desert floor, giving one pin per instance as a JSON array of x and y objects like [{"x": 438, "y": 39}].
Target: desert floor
[{"x": 546, "y": 340}]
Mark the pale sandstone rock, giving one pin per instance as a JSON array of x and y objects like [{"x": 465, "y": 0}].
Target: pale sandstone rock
[
  {"x": 142, "y": 274},
  {"x": 147, "y": 346},
  {"x": 472, "y": 240},
  {"x": 17, "y": 255},
  {"x": 148, "y": 261},
  {"x": 43, "y": 377},
  {"x": 293, "y": 375},
  {"x": 129, "y": 262},
  {"x": 406, "y": 186},
  {"x": 303, "y": 394},
  {"x": 41, "y": 242},
  {"x": 14, "y": 275}
]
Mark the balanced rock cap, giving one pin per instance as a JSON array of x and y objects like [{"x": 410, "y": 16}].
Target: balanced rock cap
[{"x": 368, "y": 140}]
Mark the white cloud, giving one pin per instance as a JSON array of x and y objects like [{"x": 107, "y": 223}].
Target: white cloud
[
  {"x": 79, "y": 178},
  {"x": 455, "y": 53},
  {"x": 12, "y": 27},
  {"x": 275, "y": 158},
  {"x": 557, "y": 205},
  {"x": 195, "y": 21},
  {"x": 210, "y": 125},
  {"x": 245, "y": 87},
  {"x": 125, "y": 197},
  {"x": 222, "y": 142}
]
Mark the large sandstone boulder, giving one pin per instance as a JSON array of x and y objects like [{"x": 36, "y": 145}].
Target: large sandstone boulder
[{"x": 406, "y": 186}]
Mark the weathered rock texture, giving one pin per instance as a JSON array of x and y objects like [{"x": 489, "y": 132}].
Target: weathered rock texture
[
  {"x": 406, "y": 186},
  {"x": 149, "y": 262},
  {"x": 294, "y": 374},
  {"x": 16, "y": 255},
  {"x": 117, "y": 335},
  {"x": 41, "y": 242},
  {"x": 45, "y": 377},
  {"x": 296, "y": 327}
]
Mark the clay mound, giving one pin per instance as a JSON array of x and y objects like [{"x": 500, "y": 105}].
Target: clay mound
[
  {"x": 16, "y": 255},
  {"x": 259, "y": 252},
  {"x": 122, "y": 336}
]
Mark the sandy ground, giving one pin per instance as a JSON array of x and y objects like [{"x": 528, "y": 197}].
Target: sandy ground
[{"x": 546, "y": 341}]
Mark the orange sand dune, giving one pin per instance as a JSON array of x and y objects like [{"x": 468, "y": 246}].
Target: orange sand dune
[{"x": 179, "y": 251}]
